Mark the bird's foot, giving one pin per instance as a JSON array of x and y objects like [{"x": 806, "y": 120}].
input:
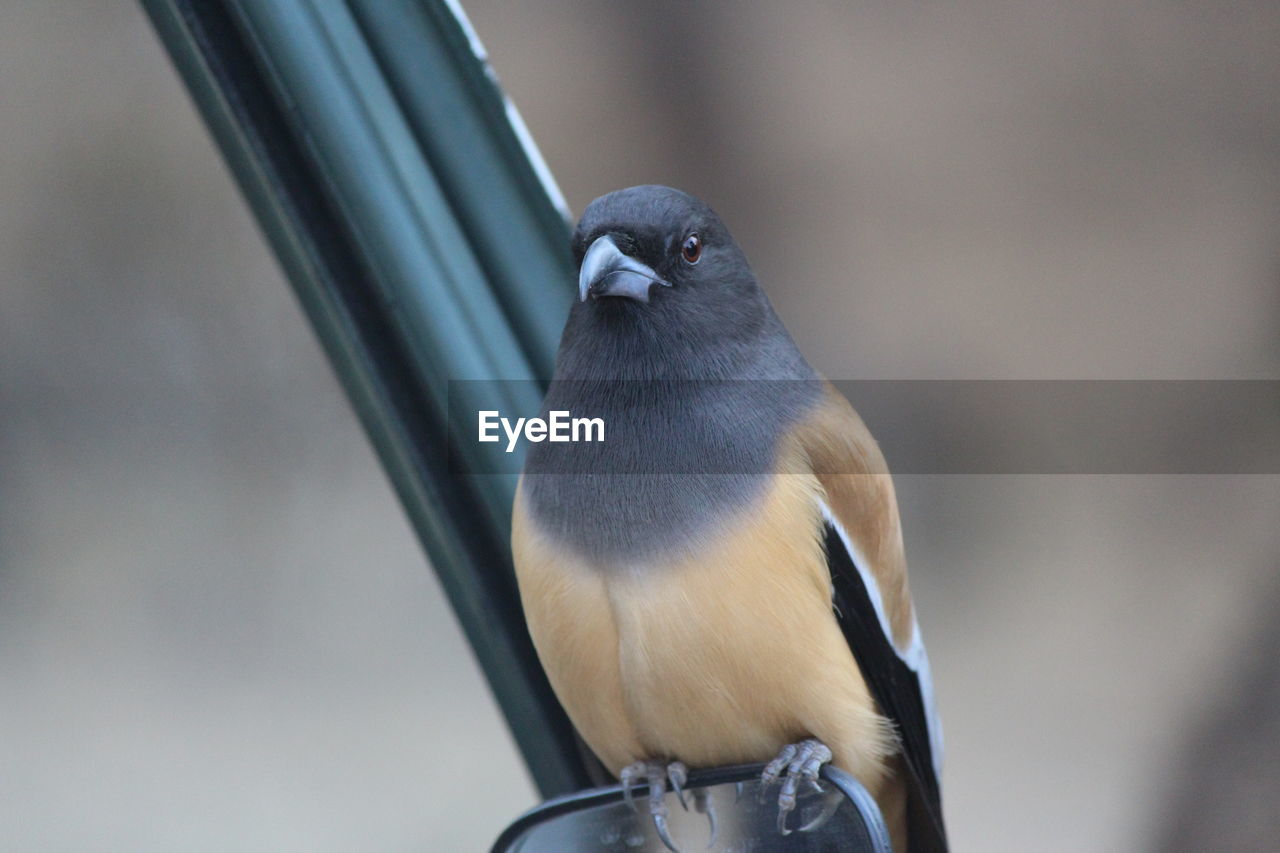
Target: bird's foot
[
  {"x": 800, "y": 762},
  {"x": 657, "y": 775}
]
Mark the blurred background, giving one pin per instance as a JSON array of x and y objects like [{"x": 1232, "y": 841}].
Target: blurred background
[{"x": 216, "y": 631}]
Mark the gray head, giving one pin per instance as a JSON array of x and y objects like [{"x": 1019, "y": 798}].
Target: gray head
[{"x": 664, "y": 291}]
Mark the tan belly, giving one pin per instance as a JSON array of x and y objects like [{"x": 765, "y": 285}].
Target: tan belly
[{"x": 714, "y": 658}]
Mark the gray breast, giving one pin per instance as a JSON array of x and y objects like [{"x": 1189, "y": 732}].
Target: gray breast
[{"x": 678, "y": 457}]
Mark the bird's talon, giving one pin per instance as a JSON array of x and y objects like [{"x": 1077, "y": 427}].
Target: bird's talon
[
  {"x": 628, "y": 778},
  {"x": 678, "y": 775},
  {"x": 703, "y": 804},
  {"x": 660, "y": 823},
  {"x": 828, "y": 809},
  {"x": 782, "y": 820},
  {"x": 627, "y": 783}
]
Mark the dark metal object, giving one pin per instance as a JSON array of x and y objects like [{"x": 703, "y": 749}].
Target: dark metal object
[
  {"x": 378, "y": 156},
  {"x": 598, "y": 821}
]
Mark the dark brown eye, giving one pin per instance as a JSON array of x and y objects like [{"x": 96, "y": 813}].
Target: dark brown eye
[{"x": 692, "y": 248}]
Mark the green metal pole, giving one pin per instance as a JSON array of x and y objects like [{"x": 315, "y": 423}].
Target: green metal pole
[{"x": 421, "y": 233}]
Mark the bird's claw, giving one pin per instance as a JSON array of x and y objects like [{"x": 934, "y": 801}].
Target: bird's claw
[
  {"x": 703, "y": 804},
  {"x": 800, "y": 762},
  {"x": 628, "y": 778},
  {"x": 678, "y": 775},
  {"x": 660, "y": 824},
  {"x": 834, "y": 800},
  {"x": 656, "y": 776}
]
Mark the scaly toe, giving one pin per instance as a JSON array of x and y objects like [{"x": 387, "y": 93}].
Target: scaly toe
[{"x": 773, "y": 770}]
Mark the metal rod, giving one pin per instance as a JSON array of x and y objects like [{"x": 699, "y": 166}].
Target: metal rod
[{"x": 423, "y": 239}]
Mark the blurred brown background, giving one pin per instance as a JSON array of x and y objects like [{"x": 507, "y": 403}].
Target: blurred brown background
[{"x": 215, "y": 629}]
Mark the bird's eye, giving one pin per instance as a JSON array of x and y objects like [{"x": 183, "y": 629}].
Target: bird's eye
[{"x": 692, "y": 248}]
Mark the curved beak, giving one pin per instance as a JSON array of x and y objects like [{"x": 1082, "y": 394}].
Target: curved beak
[{"x": 606, "y": 271}]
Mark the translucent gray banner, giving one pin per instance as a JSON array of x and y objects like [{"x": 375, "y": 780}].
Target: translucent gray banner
[{"x": 923, "y": 426}]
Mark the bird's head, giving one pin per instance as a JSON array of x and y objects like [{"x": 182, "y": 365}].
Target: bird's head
[
  {"x": 660, "y": 279},
  {"x": 651, "y": 244}
]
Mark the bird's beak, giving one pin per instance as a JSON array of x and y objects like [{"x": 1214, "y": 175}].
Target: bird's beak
[{"x": 606, "y": 271}]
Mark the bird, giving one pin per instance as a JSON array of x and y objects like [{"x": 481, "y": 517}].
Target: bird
[{"x": 722, "y": 579}]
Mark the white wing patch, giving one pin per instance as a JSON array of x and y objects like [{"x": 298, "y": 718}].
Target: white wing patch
[
  {"x": 915, "y": 656},
  {"x": 925, "y": 675}
]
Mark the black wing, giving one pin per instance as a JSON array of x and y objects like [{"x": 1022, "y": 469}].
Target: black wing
[{"x": 897, "y": 690}]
